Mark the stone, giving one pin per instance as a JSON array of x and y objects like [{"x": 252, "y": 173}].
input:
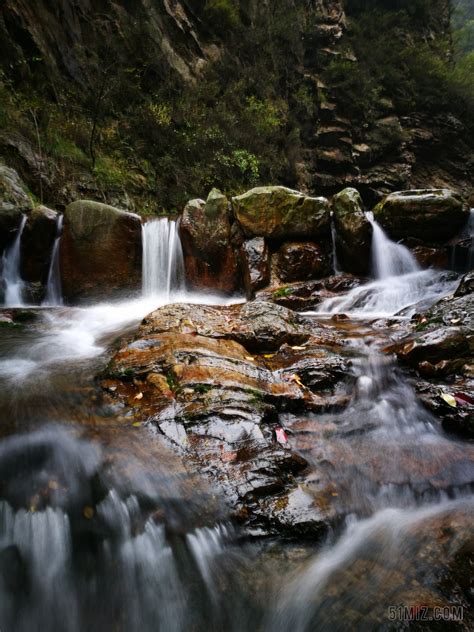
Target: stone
[
  {"x": 100, "y": 251},
  {"x": 300, "y": 261},
  {"x": 281, "y": 213},
  {"x": 209, "y": 257},
  {"x": 431, "y": 215},
  {"x": 255, "y": 264},
  {"x": 14, "y": 201},
  {"x": 37, "y": 244},
  {"x": 353, "y": 232}
]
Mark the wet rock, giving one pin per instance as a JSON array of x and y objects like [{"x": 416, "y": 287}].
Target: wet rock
[
  {"x": 466, "y": 285},
  {"x": 438, "y": 345},
  {"x": 431, "y": 215},
  {"x": 353, "y": 232},
  {"x": 297, "y": 261},
  {"x": 451, "y": 403},
  {"x": 100, "y": 251},
  {"x": 428, "y": 256},
  {"x": 281, "y": 213},
  {"x": 258, "y": 326},
  {"x": 255, "y": 263},
  {"x": 209, "y": 257},
  {"x": 14, "y": 201},
  {"x": 37, "y": 244},
  {"x": 190, "y": 374},
  {"x": 305, "y": 295}
]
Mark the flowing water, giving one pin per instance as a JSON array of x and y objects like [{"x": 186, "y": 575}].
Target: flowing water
[
  {"x": 53, "y": 285},
  {"x": 11, "y": 276},
  {"x": 80, "y": 545},
  {"x": 163, "y": 264}
]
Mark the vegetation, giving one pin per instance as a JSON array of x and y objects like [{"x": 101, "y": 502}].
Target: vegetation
[{"x": 140, "y": 128}]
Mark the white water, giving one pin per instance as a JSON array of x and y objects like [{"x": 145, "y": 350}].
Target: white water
[
  {"x": 163, "y": 263},
  {"x": 11, "y": 276},
  {"x": 335, "y": 262},
  {"x": 399, "y": 283},
  {"x": 53, "y": 287}
]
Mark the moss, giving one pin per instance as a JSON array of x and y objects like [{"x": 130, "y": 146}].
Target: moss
[{"x": 282, "y": 292}]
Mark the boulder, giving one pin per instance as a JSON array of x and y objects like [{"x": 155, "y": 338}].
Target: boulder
[
  {"x": 100, "y": 253},
  {"x": 299, "y": 261},
  {"x": 209, "y": 257},
  {"x": 255, "y": 264},
  {"x": 353, "y": 232},
  {"x": 14, "y": 201},
  {"x": 432, "y": 215},
  {"x": 37, "y": 244},
  {"x": 281, "y": 213}
]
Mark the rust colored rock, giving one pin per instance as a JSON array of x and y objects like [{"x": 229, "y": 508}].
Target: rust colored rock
[
  {"x": 37, "y": 244},
  {"x": 100, "y": 253},
  {"x": 298, "y": 261},
  {"x": 209, "y": 257},
  {"x": 255, "y": 263}
]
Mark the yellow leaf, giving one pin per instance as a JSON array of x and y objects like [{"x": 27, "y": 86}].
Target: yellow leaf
[
  {"x": 296, "y": 378},
  {"x": 250, "y": 358},
  {"x": 88, "y": 512},
  {"x": 449, "y": 399},
  {"x": 137, "y": 424},
  {"x": 268, "y": 355},
  {"x": 298, "y": 348},
  {"x": 139, "y": 396}
]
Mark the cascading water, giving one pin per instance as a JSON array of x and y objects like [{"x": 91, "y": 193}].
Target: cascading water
[
  {"x": 399, "y": 283},
  {"x": 462, "y": 252},
  {"x": 11, "y": 275},
  {"x": 388, "y": 258},
  {"x": 335, "y": 262},
  {"x": 53, "y": 285},
  {"x": 163, "y": 263}
]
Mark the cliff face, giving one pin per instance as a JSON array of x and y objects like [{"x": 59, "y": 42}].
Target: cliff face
[{"x": 69, "y": 45}]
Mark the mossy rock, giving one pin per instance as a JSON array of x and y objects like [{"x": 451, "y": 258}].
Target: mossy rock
[
  {"x": 353, "y": 232},
  {"x": 281, "y": 213}
]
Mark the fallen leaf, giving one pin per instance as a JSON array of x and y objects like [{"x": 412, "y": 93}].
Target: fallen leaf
[
  {"x": 449, "y": 399},
  {"x": 137, "y": 424},
  {"x": 296, "y": 378},
  {"x": 298, "y": 348},
  {"x": 268, "y": 355},
  {"x": 463, "y": 399},
  {"x": 281, "y": 435},
  {"x": 250, "y": 358},
  {"x": 88, "y": 512},
  {"x": 139, "y": 396}
]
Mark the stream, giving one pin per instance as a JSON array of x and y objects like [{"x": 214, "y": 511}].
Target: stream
[{"x": 162, "y": 555}]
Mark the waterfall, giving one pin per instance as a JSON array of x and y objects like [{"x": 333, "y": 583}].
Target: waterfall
[
  {"x": 11, "y": 276},
  {"x": 462, "y": 252},
  {"x": 335, "y": 262},
  {"x": 389, "y": 259},
  {"x": 53, "y": 287},
  {"x": 399, "y": 283},
  {"x": 163, "y": 263}
]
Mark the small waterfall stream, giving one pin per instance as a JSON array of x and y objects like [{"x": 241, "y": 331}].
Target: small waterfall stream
[
  {"x": 163, "y": 263},
  {"x": 53, "y": 285},
  {"x": 11, "y": 275},
  {"x": 388, "y": 258}
]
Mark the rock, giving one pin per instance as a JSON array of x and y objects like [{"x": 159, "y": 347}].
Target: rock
[
  {"x": 281, "y": 213},
  {"x": 466, "y": 285},
  {"x": 37, "y": 244},
  {"x": 14, "y": 200},
  {"x": 100, "y": 251},
  {"x": 305, "y": 295},
  {"x": 437, "y": 345},
  {"x": 353, "y": 232},
  {"x": 298, "y": 261},
  {"x": 432, "y": 215},
  {"x": 209, "y": 257},
  {"x": 255, "y": 264},
  {"x": 429, "y": 256},
  {"x": 258, "y": 326},
  {"x": 458, "y": 419},
  {"x": 200, "y": 387}
]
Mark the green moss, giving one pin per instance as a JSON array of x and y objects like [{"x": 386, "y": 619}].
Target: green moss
[{"x": 282, "y": 292}]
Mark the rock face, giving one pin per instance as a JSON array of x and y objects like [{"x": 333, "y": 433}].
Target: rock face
[
  {"x": 442, "y": 352},
  {"x": 209, "y": 257},
  {"x": 432, "y": 215},
  {"x": 282, "y": 214},
  {"x": 37, "y": 244},
  {"x": 204, "y": 378},
  {"x": 353, "y": 232},
  {"x": 100, "y": 251},
  {"x": 255, "y": 264},
  {"x": 299, "y": 261},
  {"x": 14, "y": 201}
]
